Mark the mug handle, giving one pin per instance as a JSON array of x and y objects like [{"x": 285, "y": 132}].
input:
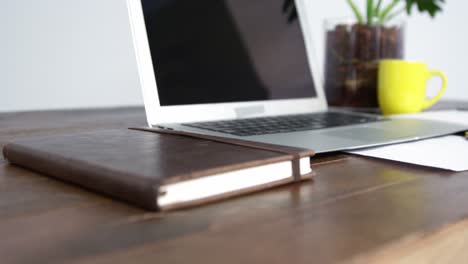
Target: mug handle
[{"x": 429, "y": 103}]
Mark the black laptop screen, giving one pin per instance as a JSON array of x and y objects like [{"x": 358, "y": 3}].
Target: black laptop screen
[{"x": 219, "y": 51}]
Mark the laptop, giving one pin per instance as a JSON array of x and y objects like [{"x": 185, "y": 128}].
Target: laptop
[{"x": 245, "y": 69}]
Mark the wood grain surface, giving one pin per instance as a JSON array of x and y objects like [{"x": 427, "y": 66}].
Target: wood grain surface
[
  {"x": 447, "y": 245},
  {"x": 354, "y": 206}
]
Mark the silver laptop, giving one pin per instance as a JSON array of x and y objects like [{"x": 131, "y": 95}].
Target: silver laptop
[{"x": 245, "y": 69}]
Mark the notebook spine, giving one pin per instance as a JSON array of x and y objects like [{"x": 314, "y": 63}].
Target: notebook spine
[{"x": 104, "y": 180}]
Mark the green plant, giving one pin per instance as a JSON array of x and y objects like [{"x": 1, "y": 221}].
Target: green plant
[
  {"x": 289, "y": 8},
  {"x": 377, "y": 12}
]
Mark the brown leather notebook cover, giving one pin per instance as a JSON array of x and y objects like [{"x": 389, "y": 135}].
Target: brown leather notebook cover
[{"x": 161, "y": 170}]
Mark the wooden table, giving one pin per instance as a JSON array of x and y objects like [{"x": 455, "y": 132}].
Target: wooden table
[{"x": 354, "y": 206}]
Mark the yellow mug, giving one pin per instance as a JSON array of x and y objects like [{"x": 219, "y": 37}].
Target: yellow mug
[{"x": 402, "y": 86}]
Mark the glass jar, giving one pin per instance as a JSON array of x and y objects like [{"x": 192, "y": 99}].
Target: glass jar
[{"x": 351, "y": 59}]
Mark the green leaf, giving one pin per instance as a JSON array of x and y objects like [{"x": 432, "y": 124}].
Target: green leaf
[
  {"x": 289, "y": 8},
  {"x": 394, "y": 14},
  {"x": 430, "y": 6},
  {"x": 377, "y": 8},
  {"x": 370, "y": 11},
  {"x": 409, "y": 6},
  {"x": 356, "y": 11},
  {"x": 387, "y": 10}
]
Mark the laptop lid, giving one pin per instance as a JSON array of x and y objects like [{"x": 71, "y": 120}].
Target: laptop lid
[{"x": 224, "y": 59}]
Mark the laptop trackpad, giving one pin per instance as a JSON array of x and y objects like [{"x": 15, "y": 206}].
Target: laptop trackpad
[{"x": 369, "y": 134}]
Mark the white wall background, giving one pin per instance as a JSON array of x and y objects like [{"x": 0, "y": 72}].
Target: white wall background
[{"x": 78, "y": 53}]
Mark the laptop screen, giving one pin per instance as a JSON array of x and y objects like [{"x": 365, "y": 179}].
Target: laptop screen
[{"x": 220, "y": 51}]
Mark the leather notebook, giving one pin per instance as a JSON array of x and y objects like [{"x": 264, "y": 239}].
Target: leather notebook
[{"x": 162, "y": 170}]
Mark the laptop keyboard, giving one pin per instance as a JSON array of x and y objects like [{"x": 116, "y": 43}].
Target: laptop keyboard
[{"x": 282, "y": 124}]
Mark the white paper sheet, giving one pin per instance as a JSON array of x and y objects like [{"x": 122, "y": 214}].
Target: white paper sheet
[
  {"x": 453, "y": 116},
  {"x": 449, "y": 152}
]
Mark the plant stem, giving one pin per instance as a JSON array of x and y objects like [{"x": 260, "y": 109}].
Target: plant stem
[
  {"x": 387, "y": 10},
  {"x": 377, "y": 8},
  {"x": 394, "y": 14},
  {"x": 370, "y": 11},
  {"x": 356, "y": 11}
]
